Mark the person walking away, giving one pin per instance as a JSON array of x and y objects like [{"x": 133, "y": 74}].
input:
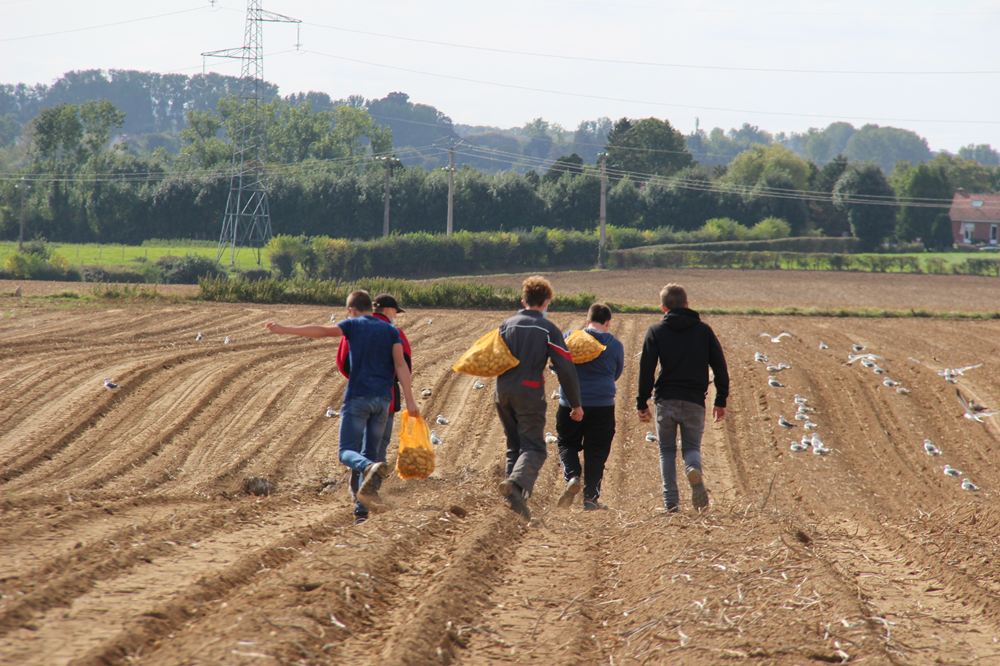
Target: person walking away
[
  {"x": 520, "y": 392},
  {"x": 376, "y": 354},
  {"x": 593, "y": 435},
  {"x": 386, "y": 308},
  {"x": 684, "y": 347}
]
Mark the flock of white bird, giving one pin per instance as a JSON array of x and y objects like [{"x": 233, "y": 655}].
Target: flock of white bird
[{"x": 973, "y": 411}]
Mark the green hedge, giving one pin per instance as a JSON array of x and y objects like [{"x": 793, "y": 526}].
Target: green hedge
[{"x": 799, "y": 244}]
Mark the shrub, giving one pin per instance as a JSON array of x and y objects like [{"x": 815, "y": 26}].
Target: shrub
[
  {"x": 39, "y": 264},
  {"x": 188, "y": 269},
  {"x": 770, "y": 228},
  {"x": 725, "y": 229}
]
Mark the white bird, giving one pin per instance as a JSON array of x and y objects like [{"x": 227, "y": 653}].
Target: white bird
[
  {"x": 430, "y": 321},
  {"x": 331, "y": 412},
  {"x": 879, "y": 371},
  {"x": 820, "y": 450},
  {"x": 858, "y": 348},
  {"x": 969, "y": 485},
  {"x": 650, "y": 437},
  {"x": 851, "y": 358},
  {"x": 805, "y": 408},
  {"x": 816, "y": 441},
  {"x": 227, "y": 341},
  {"x": 784, "y": 366},
  {"x": 435, "y": 439},
  {"x": 197, "y": 338},
  {"x": 550, "y": 438},
  {"x": 773, "y": 368},
  {"x": 823, "y": 345},
  {"x": 426, "y": 393},
  {"x": 951, "y": 471},
  {"x": 931, "y": 449},
  {"x": 902, "y": 391},
  {"x": 555, "y": 395},
  {"x": 774, "y": 382},
  {"x": 800, "y": 400},
  {"x": 442, "y": 420},
  {"x": 868, "y": 363},
  {"x": 776, "y": 338},
  {"x": 809, "y": 425},
  {"x": 801, "y": 416},
  {"x": 806, "y": 441},
  {"x": 970, "y": 413},
  {"x": 889, "y": 382},
  {"x": 785, "y": 423},
  {"x": 110, "y": 384},
  {"x": 760, "y": 358},
  {"x": 478, "y": 385},
  {"x": 798, "y": 447},
  {"x": 333, "y": 317},
  {"x": 961, "y": 371}
]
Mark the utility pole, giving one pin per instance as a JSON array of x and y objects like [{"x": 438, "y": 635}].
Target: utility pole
[
  {"x": 602, "y": 259},
  {"x": 388, "y": 175},
  {"x": 451, "y": 186},
  {"x": 23, "y": 186}
]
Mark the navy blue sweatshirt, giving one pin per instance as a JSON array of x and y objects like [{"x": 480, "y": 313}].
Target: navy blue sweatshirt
[
  {"x": 684, "y": 347},
  {"x": 598, "y": 377}
]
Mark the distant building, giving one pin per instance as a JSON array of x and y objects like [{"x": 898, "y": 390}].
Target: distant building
[{"x": 975, "y": 217}]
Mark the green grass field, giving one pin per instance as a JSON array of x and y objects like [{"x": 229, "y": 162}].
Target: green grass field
[{"x": 92, "y": 254}]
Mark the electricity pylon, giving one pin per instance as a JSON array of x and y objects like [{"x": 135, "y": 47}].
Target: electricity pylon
[{"x": 248, "y": 219}]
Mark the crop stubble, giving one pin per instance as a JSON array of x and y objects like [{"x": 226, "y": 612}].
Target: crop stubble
[{"x": 124, "y": 535}]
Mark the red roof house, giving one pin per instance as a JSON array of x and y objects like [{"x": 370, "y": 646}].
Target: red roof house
[{"x": 975, "y": 218}]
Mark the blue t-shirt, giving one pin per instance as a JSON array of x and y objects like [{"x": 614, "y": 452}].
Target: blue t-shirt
[{"x": 372, "y": 365}]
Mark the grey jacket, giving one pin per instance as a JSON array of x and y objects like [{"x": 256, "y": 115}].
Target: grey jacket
[{"x": 534, "y": 341}]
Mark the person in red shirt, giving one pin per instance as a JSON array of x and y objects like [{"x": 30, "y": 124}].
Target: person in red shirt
[{"x": 386, "y": 308}]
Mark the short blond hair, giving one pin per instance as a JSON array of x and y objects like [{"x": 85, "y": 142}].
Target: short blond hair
[
  {"x": 535, "y": 291},
  {"x": 673, "y": 296}
]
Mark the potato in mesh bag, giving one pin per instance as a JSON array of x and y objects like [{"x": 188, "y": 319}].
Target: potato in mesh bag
[
  {"x": 583, "y": 347},
  {"x": 487, "y": 357},
  {"x": 416, "y": 453}
]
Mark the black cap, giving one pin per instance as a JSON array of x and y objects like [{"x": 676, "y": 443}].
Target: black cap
[{"x": 387, "y": 301}]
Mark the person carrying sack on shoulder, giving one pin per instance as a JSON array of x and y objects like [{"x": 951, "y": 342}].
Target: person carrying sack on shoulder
[
  {"x": 520, "y": 392},
  {"x": 684, "y": 347},
  {"x": 376, "y": 357},
  {"x": 593, "y": 435},
  {"x": 386, "y": 309}
]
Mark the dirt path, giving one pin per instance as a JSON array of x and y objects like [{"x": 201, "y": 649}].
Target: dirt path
[{"x": 125, "y": 538}]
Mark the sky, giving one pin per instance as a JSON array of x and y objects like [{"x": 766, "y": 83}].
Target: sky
[{"x": 782, "y": 65}]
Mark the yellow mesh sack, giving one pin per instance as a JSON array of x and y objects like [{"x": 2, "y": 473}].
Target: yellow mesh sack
[
  {"x": 416, "y": 453},
  {"x": 487, "y": 357},
  {"x": 583, "y": 347}
]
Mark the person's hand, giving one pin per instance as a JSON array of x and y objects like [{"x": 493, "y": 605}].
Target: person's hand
[
  {"x": 576, "y": 414},
  {"x": 645, "y": 416},
  {"x": 718, "y": 414},
  {"x": 412, "y": 408},
  {"x": 273, "y": 326}
]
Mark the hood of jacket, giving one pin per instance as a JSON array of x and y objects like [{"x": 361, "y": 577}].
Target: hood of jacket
[
  {"x": 681, "y": 319},
  {"x": 603, "y": 338}
]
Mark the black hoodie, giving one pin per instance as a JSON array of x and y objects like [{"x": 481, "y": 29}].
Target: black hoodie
[{"x": 685, "y": 347}]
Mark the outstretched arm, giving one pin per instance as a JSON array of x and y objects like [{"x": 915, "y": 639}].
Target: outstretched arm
[{"x": 307, "y": 331}]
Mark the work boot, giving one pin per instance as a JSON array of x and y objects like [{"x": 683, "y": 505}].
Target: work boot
[
  {"x": 573, "y": 488},
  {"x": 514, "y": 499},
  {"x": 368, "y": 492},
  {"x": 699, "y": 494},
  {"x": 593, "y": 505}
]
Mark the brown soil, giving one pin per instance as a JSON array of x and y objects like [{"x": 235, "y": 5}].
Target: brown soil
[{"x": 125, "y": 537}]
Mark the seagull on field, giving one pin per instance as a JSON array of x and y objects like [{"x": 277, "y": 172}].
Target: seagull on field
[
  {"x": 961, "y": 371},
  {"x": 227, "y": 341},
  {"x": 331, "y": 412},
  {"x": 478, "y": 384},
  {"x": 809, "y": 425},
  {"x": 442, "y": 420},
  {"x": 858, "y": 348},
  {"x": 806, "y": 440},
  {"x": 820, "y": 450},
  {"x": 796, "y": 446},
  {"x": 815, "y": 440},
  {"x": 197, "y": 338},
  {"x": 776, "y": 338},
  {"x": 555, "y": 395},
  {"x": 879, "y": 371},
  {"x": 804, "y": 408},
  {"x": 976, "y": 407},
  {"x": 951, "y": 471},
  {"x": 889, "y": 382},
  {"x": 333, "y": 317},
  {"x": 760, "y": 358},
  {"x": 650, "y": 437},
  {"x": 800, "y": 400},
  {"x": 110, "y": 384},
  {"x": 426, "y": 393},
  {"x": 970, "y": 413},
  {"x": 435, "y": 439},
  {"x": 550, "y": 438},
  {"x": 784, "y": 423},
  {"x": 868, "y": 363},
  {"x": 851, "y": 358},
  {"x": 430, "y": 321},
  {"x": 801, "y": 416},
  {"x": 902, "y": 391},
  {"x": 823, "y": 345},
  {"x": 931, "y": 449},
  {"x": 773, "y": 368},
  {"x": 969, "y": 485},
  {"x": 774, "y": 383},
  {"x": 784, "y": 366}
]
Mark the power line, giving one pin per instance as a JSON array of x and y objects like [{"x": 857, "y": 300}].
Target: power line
[
  {"x": 104, "y": 25},
  {"x": 893, "y": 15}
]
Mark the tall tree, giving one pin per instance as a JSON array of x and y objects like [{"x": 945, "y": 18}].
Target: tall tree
[
  {"x": 887, "y": 145},
  {"x": 870, "y": 202},
  {"x": 650, "y": 146},
  {"x": 916, "y": 218},
  {"x": 982, "y": 153}
]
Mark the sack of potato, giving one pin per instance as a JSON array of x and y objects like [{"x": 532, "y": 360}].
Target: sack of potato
[
  {"x": 416, "y": 453},
  {"x": 583, "y": 347},
  {"x": 488, "y": 357}
]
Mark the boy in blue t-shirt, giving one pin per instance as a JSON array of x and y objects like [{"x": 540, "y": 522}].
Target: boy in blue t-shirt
[{"x": 376, "y": 359}]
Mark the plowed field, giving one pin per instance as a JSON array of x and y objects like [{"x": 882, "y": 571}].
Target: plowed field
[{"x": 125, "y": 537}]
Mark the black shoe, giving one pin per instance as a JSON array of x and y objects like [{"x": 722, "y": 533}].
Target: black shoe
[
  {"x": 699, "y": 494},
  {"x": 360, "y": 518},
  {"x": 593, "y": 505},
  {"x": 573, "y": 488},
  {"x": 672, "y": 509},
  {"x": 514, "y": 499},
  {"x": 368, "y": 492}
]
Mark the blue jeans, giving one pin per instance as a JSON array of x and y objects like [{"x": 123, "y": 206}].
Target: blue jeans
[
  {"x": 362, "y": 424},
  {"x": 355, "y": 483},
  {"x": 691, "y": 418}
]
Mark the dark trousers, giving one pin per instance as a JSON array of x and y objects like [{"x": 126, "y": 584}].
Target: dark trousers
[
  {"x": 592, "y": 436},
  {"x": 522, "y": 414}
]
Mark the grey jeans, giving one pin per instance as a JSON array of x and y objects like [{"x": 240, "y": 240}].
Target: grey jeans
[
  {"x": 691, "y": 419},
  {"x": 522, "y": 414}
]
